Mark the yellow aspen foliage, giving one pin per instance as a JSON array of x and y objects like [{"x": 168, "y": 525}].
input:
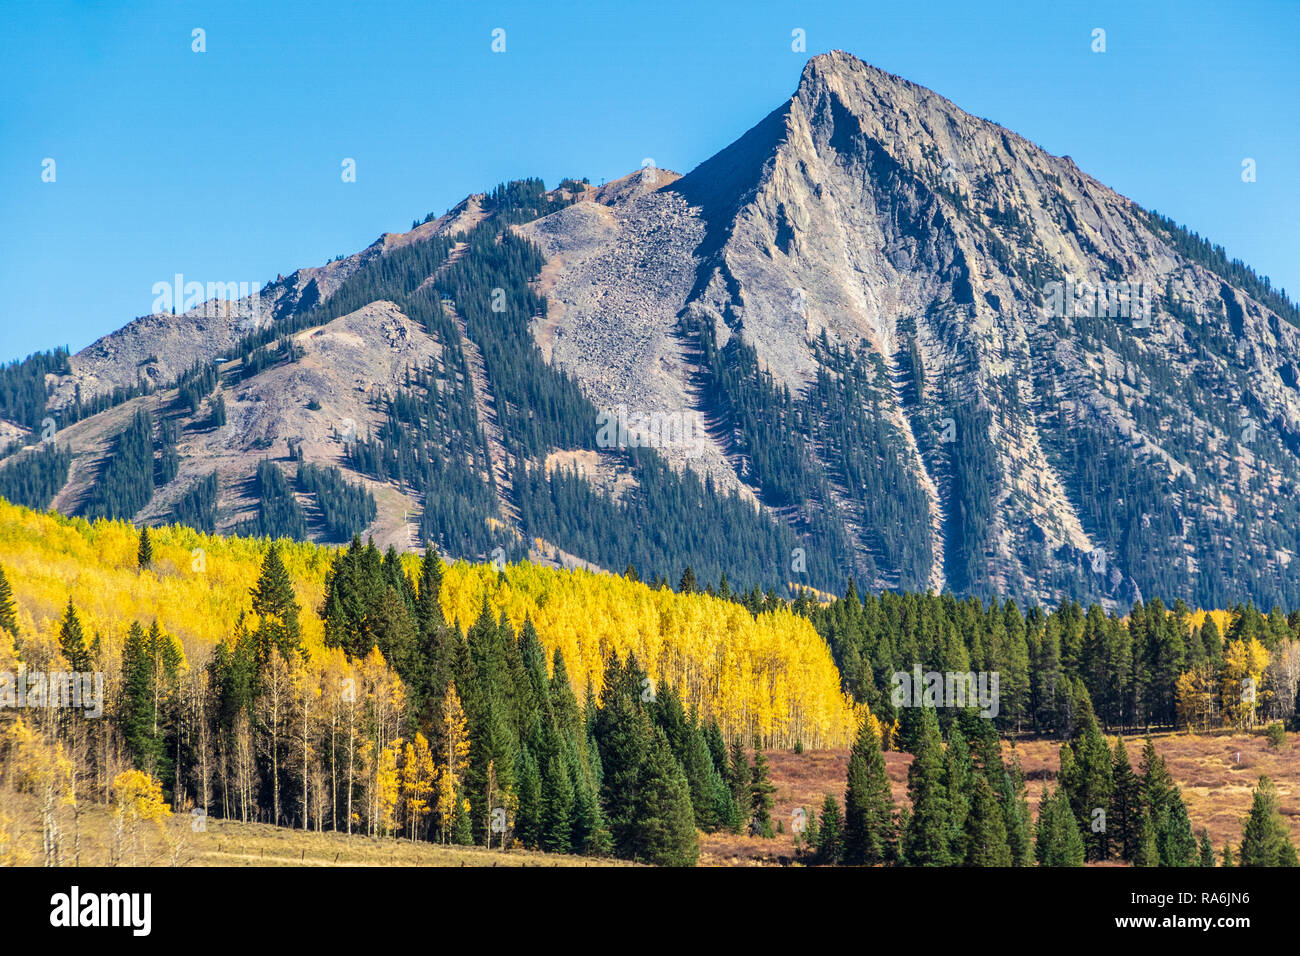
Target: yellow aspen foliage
[
  {"x": 417, "y": 782},
  {"x": 8, "y": 682},
  {"x": 137, "y": 798},
  {"x": 1222, "y": 619},
  {"x": 42, "y": 768},
  {"x": 385, "y": 698},
  {"x": 1244, "y": 662},
  {"x": 1196, "y": 699},
  {"x": 8, "y": 655},
  {"x": 387, "y": 790},
  {"x": 772, "y": 674},
  {"x": 199, "y": 585},
  {"x": 453, "y": 754},
  {"x": 11, "y": 854},
  {"x": 34, "y": 765}
]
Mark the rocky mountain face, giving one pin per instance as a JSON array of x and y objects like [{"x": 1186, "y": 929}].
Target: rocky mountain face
[{"x": 874, "y": 337}]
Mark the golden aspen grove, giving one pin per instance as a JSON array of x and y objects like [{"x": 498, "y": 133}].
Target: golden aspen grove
[
  {"x": 253, "y": 703},
  {"x": 770, "y": 675}
]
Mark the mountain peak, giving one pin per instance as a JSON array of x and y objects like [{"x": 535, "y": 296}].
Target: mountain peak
[
  {"x": 834, "y": 68},
  {"x": 896, "y": 324},
  {"x": 834, "y": 62}
]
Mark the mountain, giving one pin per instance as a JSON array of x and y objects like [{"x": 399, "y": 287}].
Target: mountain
[{"x": 875, "y": 337}]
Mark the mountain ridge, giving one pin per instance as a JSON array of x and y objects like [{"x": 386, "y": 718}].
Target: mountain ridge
[{"x": 855, "y": 298}]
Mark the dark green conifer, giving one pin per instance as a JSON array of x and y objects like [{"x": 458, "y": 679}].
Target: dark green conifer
[
  {"x": 1057, "y": 841},
  {"x": 760, "y": 793},
  {"x": 926, "y": 839},
  {"x": 1265, "y": 840},
  {"x": 1207, "y": 848},
  {"x": 870, "y": 834},
  {"x": 72, "y": 641},
  {"x": 830, "y": 835},
  {"x": 276, "y": 607},
  {"x": 144, "y": 556},
  {"x": 740, "y": 779},
  {"x": 1125, "y": 818},
  {"x": 665, "y": 823},
  {"x": 986, "y": 833},
  {"x": 8, "y": 617}
]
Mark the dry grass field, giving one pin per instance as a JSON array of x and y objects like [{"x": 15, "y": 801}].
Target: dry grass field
[
  {"x": 229, "y": 843},
  {"x": 1215, "y": 772}
]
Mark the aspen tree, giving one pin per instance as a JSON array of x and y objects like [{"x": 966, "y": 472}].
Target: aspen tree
[
  {"x": 417, "y": 782},
  {"x": 274, "y": 704},
  {"x": 454, "y": 752},
  {"x": 137, "y": 798},
  {"x": 44, "y": 770}
]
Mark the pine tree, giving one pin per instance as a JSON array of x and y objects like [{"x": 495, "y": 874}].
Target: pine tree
[
  {"x": 1265, "y": 840},
  {"x": 870, "y": 834},
  {"x": 1171, "y": 829},
  {"x": 145, "y": 554},
  {"x": 1227, "y": 854},
  {"x": 958, "y": 777},
  {"x": 528, "y": 817},
  {"x": 557, "y": 807},
  {"x": 8, "y": 619},
  {"x": 1057, "y": 841},
  {"x": 276, "y": 607},
  {"x": 706, "y": 785},
  {"x": 429, "y": 616},
  {"x": 1207, "y": 848},
  {"x": 72, "y": 641},
  {"x": 739, "y": 777},
  {"x": 1015, "y": 815},
  {"x": 926, "y": 839},
  {"x": 1175, "y": 841},
  {"x": 986, "y": 833},
  {"x": 462, "y": 828},
  {"x": 1088, "y": 783},
  {"x": 1147, "y": 852},
  {"x": 136, "y": 714},
  {"x": 665, "y": 823},
  {"x": 1157, "y": 784},
  {"x": 623, "y": 736},
  {"x": 830, "y": 836},
  {"x": 760, "y": 793},
  {"x": 687, "y": 584},
  {"x": 1125, "y": 817},
  {"x": 807, "y": 841}
]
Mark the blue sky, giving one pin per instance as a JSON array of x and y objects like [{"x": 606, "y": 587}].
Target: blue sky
[{"x": 225, "y": 165}]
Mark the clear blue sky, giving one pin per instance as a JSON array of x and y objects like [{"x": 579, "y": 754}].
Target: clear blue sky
[{"x": 225, "y": 165}]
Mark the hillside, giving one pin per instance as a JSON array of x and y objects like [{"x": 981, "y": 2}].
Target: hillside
[{"x": 876, "y": 337}]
